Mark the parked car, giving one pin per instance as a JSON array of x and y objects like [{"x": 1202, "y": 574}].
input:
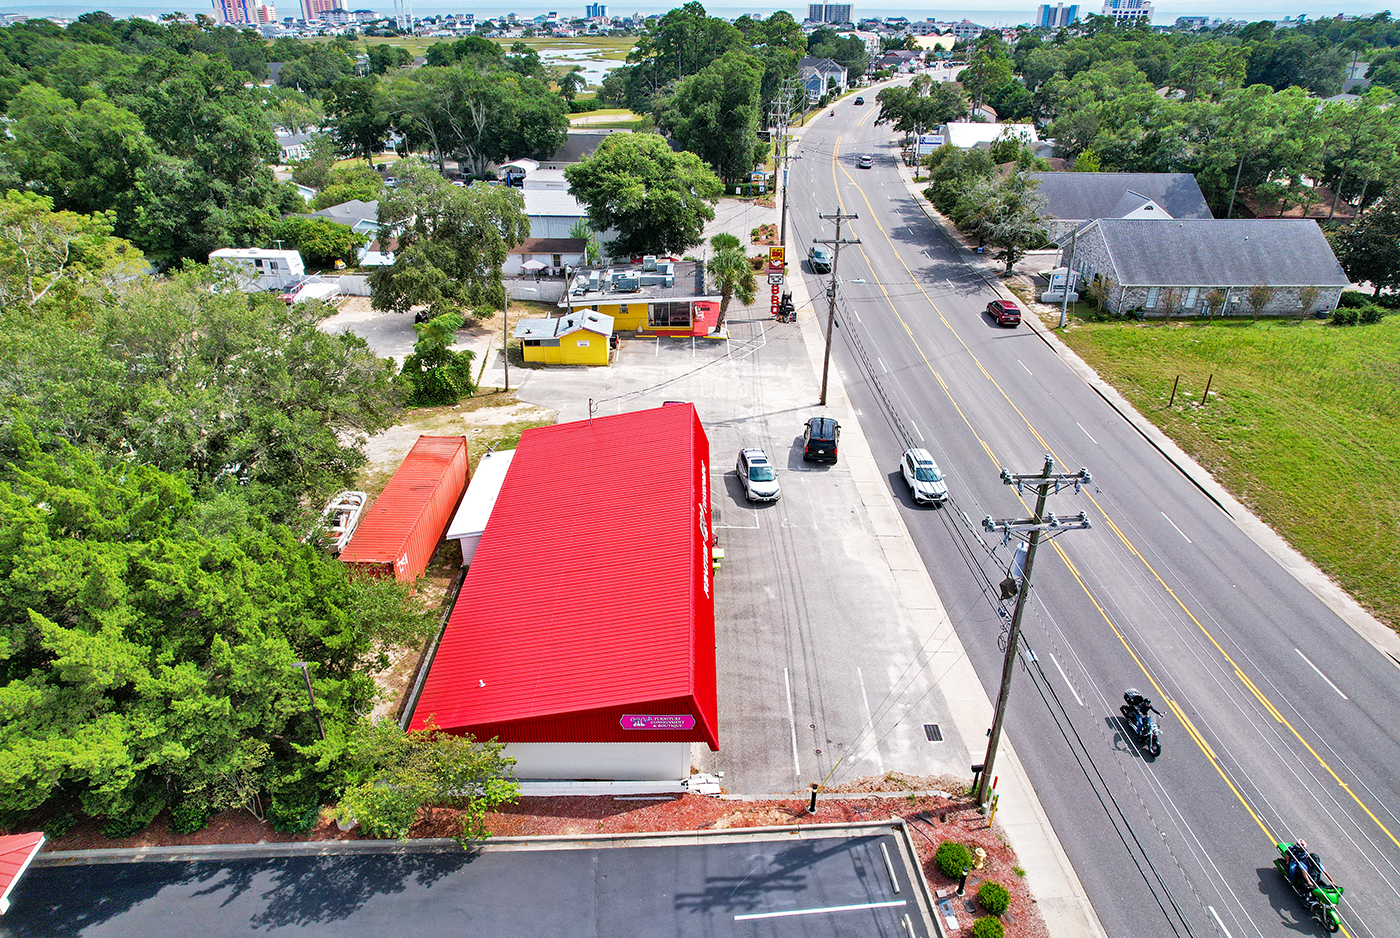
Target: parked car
[
  {"x": 288, "y": 292},
  {"x": 342, "y": 516},
  {"x": 757, "y": 476},
  {"x": 820, "y": 439},
  {"x": 819, "y": 259},
  {"x": 859, "y": 100},
  {"x": 1005, "y": 312},
  {"x": 864, "y": 161},
  {"x": 926, "y": 482}
]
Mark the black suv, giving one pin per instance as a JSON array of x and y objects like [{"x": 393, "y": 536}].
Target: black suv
[{"x": 819, "y": 439}]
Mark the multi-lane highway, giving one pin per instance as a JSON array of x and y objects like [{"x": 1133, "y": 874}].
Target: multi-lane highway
[{"x": 1279, "y": 719}]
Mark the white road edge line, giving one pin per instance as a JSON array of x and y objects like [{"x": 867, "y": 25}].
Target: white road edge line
[
  {"x": 1183, "y": 534},
  {"x": 882, "y": 364},
  {"x": 831, "y": 908},
  {"x": 792, "y": 724},
  {"x": 1088, "y": 434},
  {"x": 1218, "y": 922},
  {"x": 1023, "y": 365},
  {"x": 1321, "y": 675},
  {"x": 916, "y": 430},
  {"x": 1067, "y": 683}
]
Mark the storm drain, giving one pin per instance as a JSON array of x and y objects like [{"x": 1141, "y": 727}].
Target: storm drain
[{"x": 934, "y": 734}]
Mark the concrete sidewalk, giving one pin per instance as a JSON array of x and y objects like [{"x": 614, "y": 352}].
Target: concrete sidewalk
[{"x": 1051, "y": 878}]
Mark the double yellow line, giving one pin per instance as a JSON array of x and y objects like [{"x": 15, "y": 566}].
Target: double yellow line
[{"x": 1240, "y": 674}]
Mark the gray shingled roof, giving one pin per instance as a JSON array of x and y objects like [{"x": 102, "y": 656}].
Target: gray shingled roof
[
  {"x": 1085, "y": 196},
  {"x": 1220, "y": 253}
]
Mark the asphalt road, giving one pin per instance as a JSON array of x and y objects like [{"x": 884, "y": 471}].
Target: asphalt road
[
  {"x": 836, "y": 886},
  {"x": 1280, "y": 721}
]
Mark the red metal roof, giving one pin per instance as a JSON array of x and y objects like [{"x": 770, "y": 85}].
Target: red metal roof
[
  {"x": 16, "y": 850},
  {"x": 405, "y": 524},
  {"x": 590, "y": 601}
]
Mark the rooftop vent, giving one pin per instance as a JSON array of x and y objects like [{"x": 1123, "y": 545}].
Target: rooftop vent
[{"x": 649, "y": 262}]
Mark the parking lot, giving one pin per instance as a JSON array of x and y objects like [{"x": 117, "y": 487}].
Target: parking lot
[{"x": 831, "y": 643}]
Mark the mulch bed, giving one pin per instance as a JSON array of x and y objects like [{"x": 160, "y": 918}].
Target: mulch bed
[{"x": 932, "y": 819}]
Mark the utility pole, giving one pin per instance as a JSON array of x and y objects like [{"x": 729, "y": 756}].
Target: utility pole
[
  {"x": 505, "y": 330},
  {"x": 782, "y": 119},
  {"x": 1039, "y": 522},
  {"x": 831, "y": 290}
]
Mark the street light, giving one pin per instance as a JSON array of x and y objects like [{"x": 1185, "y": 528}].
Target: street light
[{"x": 311, "y": 695}]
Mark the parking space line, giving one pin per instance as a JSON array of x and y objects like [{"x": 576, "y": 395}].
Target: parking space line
[
  {"x": 870, "y": 722},
  {"x": 750, "y": 916},
  {"x": 792, "y": 724}
]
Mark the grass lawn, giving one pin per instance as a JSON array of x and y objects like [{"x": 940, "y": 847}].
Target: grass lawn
[
  {"x": 609, "y": 47},
  {"x": 1302, "y": 424}
]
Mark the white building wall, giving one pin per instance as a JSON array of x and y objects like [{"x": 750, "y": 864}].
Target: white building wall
[{"x": 639, "y": 761}]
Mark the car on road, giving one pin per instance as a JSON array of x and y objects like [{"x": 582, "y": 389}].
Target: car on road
[
  {"x": 859, "y": 100},
  {"x": 1005, "y": 312},
  {"x": 864, "y": 161},
  {"x": 757, "y": 476},
  {"x": 819, "y": 259},
  {"x": 926, "y": 482},
  {"x": 820, "y": 439}
]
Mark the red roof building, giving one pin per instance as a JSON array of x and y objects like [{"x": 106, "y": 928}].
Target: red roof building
[
  {"x": 587, "y": 615},
  {"x": 16, "y": 853}
]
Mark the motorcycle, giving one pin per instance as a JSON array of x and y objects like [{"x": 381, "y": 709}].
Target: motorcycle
[
  {"x": 1137, "y": 712},
  {"x": 1309, "y": 881}
]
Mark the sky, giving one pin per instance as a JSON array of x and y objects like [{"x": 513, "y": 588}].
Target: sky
[{"x": 996, "y": 13}]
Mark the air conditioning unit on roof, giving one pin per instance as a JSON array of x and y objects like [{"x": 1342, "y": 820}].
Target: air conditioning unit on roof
[{"x": 649, "y": 262}]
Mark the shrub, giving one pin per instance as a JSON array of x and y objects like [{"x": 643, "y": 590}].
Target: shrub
[
  {"x": 60, "y": 824},
  {"x": 994, "y": 897},
  {"x": 294, "y": 806},
  {"x": 951, "y": 857},
  {"x": 1353, "y": 299},
  {"x": 1344, "y": 317},
  {"x": 1371, "y": 314},
  {"x": 1387, "y": 300},
  {"x": 133, "y": 820},
  {"x": 189, "y": 816},
  {"x": 988, "y": 927}
]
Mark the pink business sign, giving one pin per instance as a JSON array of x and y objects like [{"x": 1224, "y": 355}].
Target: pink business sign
[{"x": 665, "y": 721}]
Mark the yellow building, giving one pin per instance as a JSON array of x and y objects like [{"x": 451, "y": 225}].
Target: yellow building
[
  {"x": 661, "y": 297},
  {"x": 580, "y": 337}
]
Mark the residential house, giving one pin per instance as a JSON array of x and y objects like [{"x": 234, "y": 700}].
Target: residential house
[
  {"x": 579, "y": 337},
  {"x": 1208, "y": 267},
  {"x": 964, "y": 136},
  {"x": 901, "y": 60},
  {"x": 661, "y": 296},
  {"x": 1071, "y": 199},
  {"x": 259, "y": 268},
  {"x": 552, "y": 212},
  {"x": 357, "y": 214},
  {"x": 293, "y": 148},
  {"x": 555, "y": 254},
  {"x": 816, "y": 73}
]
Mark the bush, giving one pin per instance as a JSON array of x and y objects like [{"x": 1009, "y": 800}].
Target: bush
[
  {"x": 988, "y": 927},
  {"x": 951, "y": 857},
  {"x": 994, "y": 897},
  {"x": 1353, "y": 299},
  {"x": 189, "y": 816},
  {"x": 1387, "y": 300},
  {"x": 60, "y": 824},
  {"x": 584, "y": 105},
  {"x": 1371, "y": 314},
  {"x": 1344, "y": 317},
  {"x": 295, "y": 805},
  {"x": 133, "y": 820}
]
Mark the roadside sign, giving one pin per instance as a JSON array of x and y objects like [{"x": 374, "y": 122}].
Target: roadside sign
[
  {"x": 775, "y": 280},
  {"x": 776, "y": 259}
]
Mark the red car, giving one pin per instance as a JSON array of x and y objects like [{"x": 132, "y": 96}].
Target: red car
[{"x": 1005, "y": 312}]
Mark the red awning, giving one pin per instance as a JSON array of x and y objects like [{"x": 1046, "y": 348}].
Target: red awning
[
  {"x": 587, "y": 614},
  {"x": 16, "y": 852}
]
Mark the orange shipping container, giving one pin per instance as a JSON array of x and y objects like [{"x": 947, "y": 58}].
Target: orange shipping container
[{"x": 405, "y": 524}]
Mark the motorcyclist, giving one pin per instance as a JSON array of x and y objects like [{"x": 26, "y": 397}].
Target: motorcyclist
[
  {"x": 1139, "y": 703},
  {"x": 1299, "y": 867}
]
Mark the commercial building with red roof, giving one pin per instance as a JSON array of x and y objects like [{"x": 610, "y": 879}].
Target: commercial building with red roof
[
  {"x": 17, "y": 851},
  {"x": 584, "y": 633}
]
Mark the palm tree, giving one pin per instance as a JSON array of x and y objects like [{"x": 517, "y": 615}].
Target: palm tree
[{"x": 734, "y": 276}]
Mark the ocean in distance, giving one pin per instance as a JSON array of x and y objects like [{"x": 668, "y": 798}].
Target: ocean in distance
[{"x": 999, "y": 13}]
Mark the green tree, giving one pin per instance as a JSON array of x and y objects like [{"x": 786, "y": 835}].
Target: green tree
[
  {"x": 452, "y": 243},
  {"x": 1369, "y": 250},
  {"x": 1005, "y": 213},
  {"x": 321, "y": 68},
  {"x": 315, "y": 170},
  {"x": 384, "y": 58},
  {"x": 395, "y": 774},
  {"x": 320, "y": 241},
  {"x": 360, "y": 125},
  {"x": 732, "y": 273},
  {"x": 437, "y": 374},
  {"x": 349, "y": 182},
  {"x": 656, "y": 198},
  {"x": 714, "y": 114}
]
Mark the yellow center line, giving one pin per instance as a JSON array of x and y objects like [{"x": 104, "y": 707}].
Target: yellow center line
[{"x": 1239, "y": 672}]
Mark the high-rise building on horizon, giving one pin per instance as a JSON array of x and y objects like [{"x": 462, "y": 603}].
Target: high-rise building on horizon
[
  {"x": 311, "y": 10},
  {"x": 596, "y": 11},
  {"x": 1128, "y": 11},
  {"x": 1057, "y": 16},
  {"x": 829, "y": 13}
]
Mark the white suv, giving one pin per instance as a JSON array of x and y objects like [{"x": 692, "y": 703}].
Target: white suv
[
  {"x": 926, "y": 483},
  {"x": 756, "y": 474}
]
